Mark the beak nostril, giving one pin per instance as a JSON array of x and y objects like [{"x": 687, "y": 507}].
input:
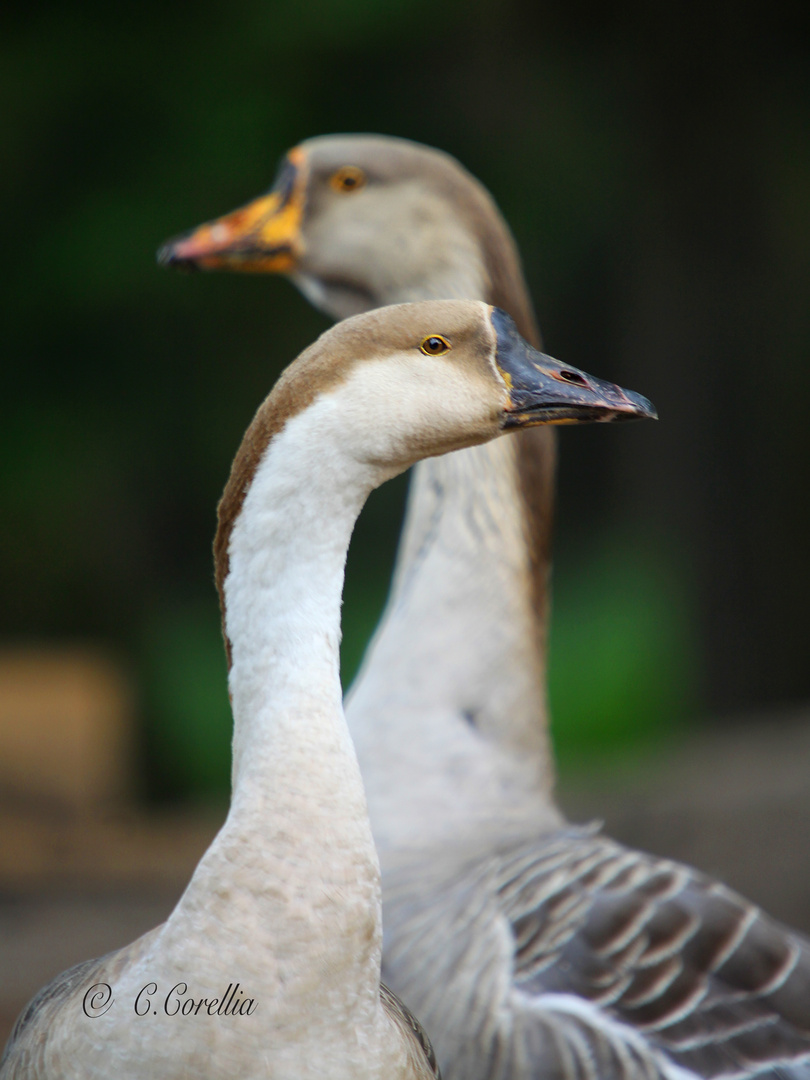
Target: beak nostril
[{"x": 573, "y": 377}]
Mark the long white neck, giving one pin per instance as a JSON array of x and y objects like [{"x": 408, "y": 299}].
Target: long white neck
[
  {"x": 448, "y": 712},
  {"x": 290, "y": 888}
]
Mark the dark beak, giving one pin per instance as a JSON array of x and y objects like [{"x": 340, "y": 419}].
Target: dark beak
[
  {"x": 262, "y": 237},
  {"x": 544, "y": 391}
]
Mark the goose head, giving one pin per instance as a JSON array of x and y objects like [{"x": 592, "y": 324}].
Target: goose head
[
  {"x": 360, "y": 221},
  {"x": 384, "y": 389},
  {"x": 409, "y": 381},
  {"x": 421, "y": 379}
]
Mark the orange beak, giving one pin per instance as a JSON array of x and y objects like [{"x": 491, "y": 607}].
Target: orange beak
[{"x": 262, "y": 237}]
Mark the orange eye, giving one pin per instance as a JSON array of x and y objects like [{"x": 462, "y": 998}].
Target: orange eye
[
  {"x": 349, "y": 178},
  {"x": 435, "y": 345}
]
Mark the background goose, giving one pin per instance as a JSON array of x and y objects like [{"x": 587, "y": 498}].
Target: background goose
[
  {"x": 527, "y": 947},
  {"x": 286, "y": 901},
  {"x": 363, "y": 221}
]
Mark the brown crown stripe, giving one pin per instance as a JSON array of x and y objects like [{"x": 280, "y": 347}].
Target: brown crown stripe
[{"x": 295, "y": 391}]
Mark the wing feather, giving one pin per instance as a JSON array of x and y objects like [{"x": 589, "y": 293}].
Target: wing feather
[
  {"x": 586, "y": 955},
  {"x": 422, "y": 1055},
  {"x": 24, "y": 1052}
]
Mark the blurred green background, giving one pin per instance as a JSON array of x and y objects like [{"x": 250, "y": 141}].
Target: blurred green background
[{"x": 654, "y": 164}]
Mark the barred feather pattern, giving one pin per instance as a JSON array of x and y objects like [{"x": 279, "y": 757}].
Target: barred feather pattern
[
  {"x": 22, "y": 1058},
  {"x": 575, "y": 958},
  {"x": 421, "y": 1050},
  {"x": 29, "y": 1053}
]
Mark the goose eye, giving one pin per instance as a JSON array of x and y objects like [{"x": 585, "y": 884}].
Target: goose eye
[
  {"x": 573, "y": 377},
  {"x": 349, "y": 178},
  {"x": 435, "y": 345}
]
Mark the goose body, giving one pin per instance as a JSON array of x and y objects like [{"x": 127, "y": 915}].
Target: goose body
[
  {"x": 286, "y": 901},
  {"x": 528, "y": 947}
]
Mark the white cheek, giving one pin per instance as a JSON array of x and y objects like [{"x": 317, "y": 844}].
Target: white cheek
[{"x": 412, "y": 406}]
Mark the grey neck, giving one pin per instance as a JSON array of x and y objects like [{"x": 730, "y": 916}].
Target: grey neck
[{"x": 448, "y": 713}]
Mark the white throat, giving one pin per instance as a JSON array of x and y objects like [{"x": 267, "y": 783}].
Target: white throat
[{"x": 295, "y": 863}]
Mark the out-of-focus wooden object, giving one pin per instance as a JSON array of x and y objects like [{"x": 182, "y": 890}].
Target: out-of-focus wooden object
[
  {"x": 83, "y": 868},
  {"x": 65, "y": 728}
]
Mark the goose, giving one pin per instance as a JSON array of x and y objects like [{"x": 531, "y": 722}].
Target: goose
[
  {"x": 269, "y": 965},
  {"x": 359, "y": 222},
  {"x": 529, "y": 947}
]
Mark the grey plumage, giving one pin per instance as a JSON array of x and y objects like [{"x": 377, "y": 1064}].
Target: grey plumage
[
  {"x": 573, "y": 956},
  {"x": 28, "y": 1049},
  {"x": 422, "y": 1049},
  {"x": 23, "y": 1054}
]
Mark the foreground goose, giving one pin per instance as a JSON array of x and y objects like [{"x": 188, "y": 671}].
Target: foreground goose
[
  {"x": 270, "y": 963},
  {"x": 528, "y": 948},
  {"x": 363, "y": 221}
]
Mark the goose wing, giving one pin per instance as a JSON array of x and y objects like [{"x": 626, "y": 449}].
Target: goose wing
[
  {"x": 420, "y": 1050},
  {"x": 587, "y": 958},
  {"x": 24, "y": 1055},
  {"x": 33, "y": 1048},
  {"x": 704, "y": 974}
]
